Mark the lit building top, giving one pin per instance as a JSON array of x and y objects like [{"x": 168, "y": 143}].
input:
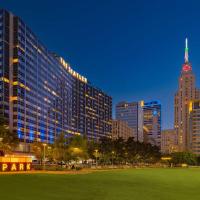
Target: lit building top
[
  {"x": 71, "y": 71},
  {"x": 151, "y": 103},
  {"x": 186, "y": 51},
  {"x": 186, "y": 66}
]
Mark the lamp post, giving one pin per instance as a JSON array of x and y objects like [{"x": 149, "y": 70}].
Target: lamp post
[
  {"x": 112, "y": 157},
  {"x": 44, "y": 145},
  {"x": 1, "y": 147},
  {"x": 96, "y": 151},
  {"x": 1, "y": 139},
  {"x": 126, "y": 154},
  {"x": 76, "y": 153}
]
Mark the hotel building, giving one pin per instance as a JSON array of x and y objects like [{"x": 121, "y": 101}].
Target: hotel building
[
  {"x": 40, "y": 94},
  {"x": 120, "y": 129}
]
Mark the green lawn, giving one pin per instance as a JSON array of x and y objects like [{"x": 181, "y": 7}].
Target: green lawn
[{"x": 133, "y": 184}]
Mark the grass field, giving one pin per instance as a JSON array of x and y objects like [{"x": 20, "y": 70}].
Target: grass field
[{"x": 132, "y": 184}]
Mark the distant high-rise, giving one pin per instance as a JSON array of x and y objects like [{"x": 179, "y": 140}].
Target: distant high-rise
[
  {"x": 144, "y": 118},
  {"x": 152, "y": 123},
  {"x": 120, "y": 129},
  {"x": 186, "y": 92},
  {"x": 194, "y": 126},
  {"x": 130, "y": 113}
]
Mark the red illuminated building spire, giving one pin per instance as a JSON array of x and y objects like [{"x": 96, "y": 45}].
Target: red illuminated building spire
[
  {"x": 186, "y": 66},
  {"x": 186, "y": 51}
]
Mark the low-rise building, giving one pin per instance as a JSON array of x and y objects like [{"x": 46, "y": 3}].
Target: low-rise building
[
  {"x": 121, "y": 129},
  {"x": 169, "y": 141}
]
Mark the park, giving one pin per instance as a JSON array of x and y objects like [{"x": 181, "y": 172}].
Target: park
[{"x": 139, "y": 183}]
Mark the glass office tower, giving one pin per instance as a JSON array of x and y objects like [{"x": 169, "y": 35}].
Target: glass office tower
[
  {"x": 41, "y": 95},
  {"x": 132, "y": 113},
  {"x": 152, "y": 122}
]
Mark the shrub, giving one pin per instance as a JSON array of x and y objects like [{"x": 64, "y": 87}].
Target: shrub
[{"x": 184, "y": 157}]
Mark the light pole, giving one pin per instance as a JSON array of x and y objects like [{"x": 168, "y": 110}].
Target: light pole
[
  {"x": 126, "y": 154},
  {"x": 1, "y": 152},
  {"x": 96, "y": 151},
  {"x": 76, "y": 153},
  {"x": 44, "y": 145},
  {"x": 112, "y": 157}
]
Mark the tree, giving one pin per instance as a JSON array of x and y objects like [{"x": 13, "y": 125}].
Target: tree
[
  {"x": 8, "y": 139},
  {"x": 38, "y": 149},
  {"x": 60, "y": 148},
  {"x": 131, "y": 149},
  {"x": 78, "y": 148},
  {"x": 119, "y": 150},
  {"x": 93, "y": 149},
  {"x": 106, "y": 148},
  {"x": 3, "y": 127},
  {"x": 4, "y": 148},
  {"x": 184, "y": 158}
]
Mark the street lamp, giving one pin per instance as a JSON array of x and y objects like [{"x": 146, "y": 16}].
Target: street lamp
[
  {"x": 1, "y": 139},
  {"x": 112, "y": 157},
  {"x": 44, "y": 145},
  {"x": 126, "y": 154},
  {"x": 76, "y": 149},
  {"x": 96, "y": 151}
]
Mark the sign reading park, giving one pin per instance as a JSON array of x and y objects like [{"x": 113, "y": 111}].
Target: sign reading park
[{"x": 13, "y": 163}]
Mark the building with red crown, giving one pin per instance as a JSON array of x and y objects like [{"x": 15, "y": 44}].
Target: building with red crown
[{"x": 187, "y": 92}]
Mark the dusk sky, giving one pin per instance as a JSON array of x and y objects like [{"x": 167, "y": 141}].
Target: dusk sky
[{"x": 131, "y": 49}]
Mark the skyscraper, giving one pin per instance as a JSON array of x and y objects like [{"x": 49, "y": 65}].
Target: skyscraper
[
  {"x": 40, "y": 94},
  {"x": 194, "y": 126},
  {"x": 143, "y": 118},
  {"x": 152, "y": 123},
  {"x": 186, "y": 92},
  {"x": 130, "y": 113}
]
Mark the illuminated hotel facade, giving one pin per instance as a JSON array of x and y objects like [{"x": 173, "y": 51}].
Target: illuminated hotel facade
[{"x": 41, "y": 95}]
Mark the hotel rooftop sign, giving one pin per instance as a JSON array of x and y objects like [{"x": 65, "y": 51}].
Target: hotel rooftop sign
[{"x": 13, "y": 163}]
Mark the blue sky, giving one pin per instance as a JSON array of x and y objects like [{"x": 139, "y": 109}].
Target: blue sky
[{"x": 132, "y": 49}]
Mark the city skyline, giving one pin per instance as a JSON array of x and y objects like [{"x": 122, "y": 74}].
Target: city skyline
[
  {"x": 89, "y": 57},
  {"x": 99, "y": 99}
]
